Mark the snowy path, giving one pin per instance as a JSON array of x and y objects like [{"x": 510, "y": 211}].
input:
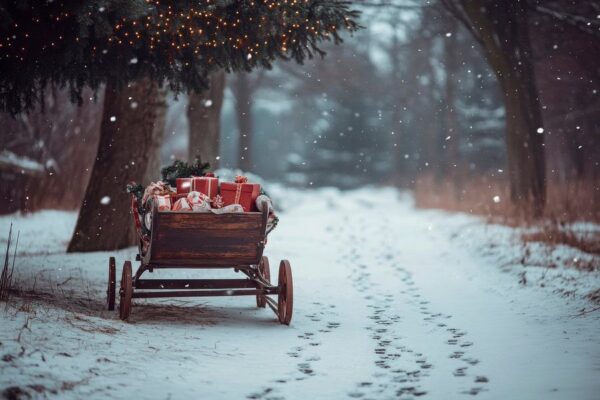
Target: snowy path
[{"x": 389, "y": 303}]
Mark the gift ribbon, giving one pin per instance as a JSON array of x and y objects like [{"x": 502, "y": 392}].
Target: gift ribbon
[
  {"x": 239, "y": 180},
  {"x": 208, "y": 181},
  {"x": 209, "y": 175},
  {"x": 238, "y": 193}
]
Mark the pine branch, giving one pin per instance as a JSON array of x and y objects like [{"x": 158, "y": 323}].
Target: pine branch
[{"x": 75, "y": 44}]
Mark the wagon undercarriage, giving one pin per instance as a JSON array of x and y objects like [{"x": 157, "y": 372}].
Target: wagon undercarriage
[{"x": 257, "y": 283}]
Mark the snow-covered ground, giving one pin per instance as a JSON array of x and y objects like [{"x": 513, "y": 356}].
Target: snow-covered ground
[{"x": 390, "y": 302}]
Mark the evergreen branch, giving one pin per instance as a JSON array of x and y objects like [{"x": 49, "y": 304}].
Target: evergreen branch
[{"x": 74, "y": 44}]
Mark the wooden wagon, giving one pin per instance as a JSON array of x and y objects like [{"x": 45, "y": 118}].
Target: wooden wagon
[{"x": 203, "y": 240}]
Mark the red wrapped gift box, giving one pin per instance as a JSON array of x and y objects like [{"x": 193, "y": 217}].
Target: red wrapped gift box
[
  {"x": 184, "y": 185},
  {"x": 208, "y": 185},
  {"x": 241, "y": 192}
]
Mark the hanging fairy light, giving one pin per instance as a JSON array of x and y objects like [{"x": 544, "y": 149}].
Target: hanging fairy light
[{"x": 167, "y": 35}]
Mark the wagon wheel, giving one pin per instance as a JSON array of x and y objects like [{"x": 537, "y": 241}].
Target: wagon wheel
[
  {"x": 285, "y": 301},
  {"x": 112, "y": 283},
  {"x": 265, "y": 272},
  {"x": 126, "y": 292}
]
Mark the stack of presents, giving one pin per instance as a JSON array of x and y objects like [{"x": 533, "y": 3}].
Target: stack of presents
[{"x": 205, "y": 194}]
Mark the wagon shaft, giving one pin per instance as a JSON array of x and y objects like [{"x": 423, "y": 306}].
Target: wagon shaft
[
  {"x": 194, "y": 284},
  {"x": 205, "y": 293}
]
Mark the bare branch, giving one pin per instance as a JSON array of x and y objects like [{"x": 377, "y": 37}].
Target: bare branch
[
  {"x": 589, "y": 26},
  {"x": 457, "y": 11}
]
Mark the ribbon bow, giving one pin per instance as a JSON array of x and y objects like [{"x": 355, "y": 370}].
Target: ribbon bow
[{"x": 239, "y": 180}]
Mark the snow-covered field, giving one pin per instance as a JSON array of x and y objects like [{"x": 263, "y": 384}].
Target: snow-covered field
[{"x": 390, "y": 302}]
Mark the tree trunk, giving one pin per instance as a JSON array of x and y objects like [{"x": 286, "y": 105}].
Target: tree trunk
[
  {"x": 204, "y": 113},
  {"x": 503, "y": 32},
  {"x": 452, "y": 133},
  {"x": 129, "y": 142},
  {"x": 243, "y": 109},
  {"x": 152, "y": 173}
]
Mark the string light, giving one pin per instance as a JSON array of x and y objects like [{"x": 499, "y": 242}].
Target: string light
[
  {"x": 202, "y": 34},
  {"x": 204, "y": 28}
]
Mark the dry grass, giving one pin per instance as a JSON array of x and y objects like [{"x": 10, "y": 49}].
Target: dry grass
[
  {"x": 475, "y": 196},
  {"x": 554, "y": 233},
  {"x": 567, "y": 203},
  {"x": 6, "y": 276}
]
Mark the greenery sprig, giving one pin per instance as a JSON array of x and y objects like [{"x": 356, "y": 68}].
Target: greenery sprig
[
  {"x": 138, "y": 191},
  {"x": 181, "y": 169}
]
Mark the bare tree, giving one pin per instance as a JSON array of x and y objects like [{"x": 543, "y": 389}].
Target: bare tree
[{"x": 502, "y": 29}]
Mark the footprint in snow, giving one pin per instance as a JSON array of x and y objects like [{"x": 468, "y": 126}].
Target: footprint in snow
[
  {"x": 306, "y": 369},
  {"x": 474, "y": 391}
]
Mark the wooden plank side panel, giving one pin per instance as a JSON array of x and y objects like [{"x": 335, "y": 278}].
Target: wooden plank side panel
[
  {"x": 207, "y": 238},
  {"x": 210, "y": 221}
]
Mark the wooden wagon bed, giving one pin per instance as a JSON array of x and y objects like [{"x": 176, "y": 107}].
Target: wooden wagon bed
[{"x": 203, "y": 240}]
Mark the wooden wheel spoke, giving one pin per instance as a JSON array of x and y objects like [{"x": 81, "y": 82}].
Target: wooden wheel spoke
[
  {"x": 285, "y": 300},
  {"x": 126, "y": 291}
]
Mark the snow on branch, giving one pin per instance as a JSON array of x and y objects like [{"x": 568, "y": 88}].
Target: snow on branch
[{"x": 20, "y": 164}]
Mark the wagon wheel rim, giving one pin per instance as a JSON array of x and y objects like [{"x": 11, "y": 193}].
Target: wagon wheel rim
[
  {"x": 285, "y": 300},
  {"x": 112, "y": 283},
  {"x": 126, "y": 291},
  {"x": 264, "y": 271}
]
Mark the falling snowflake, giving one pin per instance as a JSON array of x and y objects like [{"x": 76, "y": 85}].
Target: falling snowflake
[
  {"x": 496, "y": 199},
  {"x": 105, "y": 201},
  {"x": 540, "y": 130},
  {"x": 208, "y": 103},
  {"x": 113, "y": 118}
]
